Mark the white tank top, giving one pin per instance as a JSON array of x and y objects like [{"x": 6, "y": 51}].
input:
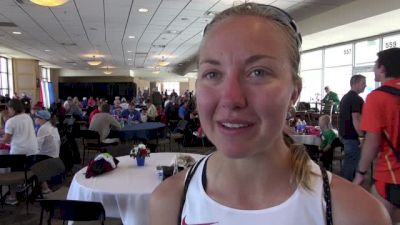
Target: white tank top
[{"x": 303, "y": 207}]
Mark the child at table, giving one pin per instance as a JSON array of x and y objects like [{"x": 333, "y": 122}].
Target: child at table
[{"x": 327, "y": 137}]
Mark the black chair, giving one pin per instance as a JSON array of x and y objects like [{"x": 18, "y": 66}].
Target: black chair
[
  {"x": 91, "y": 142},
  {"x": 163, "y": 138},
  {"x": 178, "y": 134},
  {"x": 337, "y": 152},
  {"x": 19, "y": 175},
  {"x": 71, "y": 210}
]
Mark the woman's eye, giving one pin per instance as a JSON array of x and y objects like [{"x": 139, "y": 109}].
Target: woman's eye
[
  {"x": 211, "y": 75},
  {"x": 258, "y": 73}
]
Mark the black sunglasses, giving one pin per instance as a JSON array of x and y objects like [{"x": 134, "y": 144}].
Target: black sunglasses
[{"x": 281, "y": 16}]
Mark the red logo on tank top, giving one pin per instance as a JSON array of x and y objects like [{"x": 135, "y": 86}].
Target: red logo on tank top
[{"x": 184, "y": 222}]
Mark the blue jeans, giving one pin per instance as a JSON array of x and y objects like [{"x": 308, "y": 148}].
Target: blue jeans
[{"x": 351, "y": 158}]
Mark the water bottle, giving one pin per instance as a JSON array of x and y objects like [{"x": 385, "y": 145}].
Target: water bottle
[
  {"x": 298, "y": 126},
  {"x": 303, "y": 126},
  {"x": 160, "y": 173}
]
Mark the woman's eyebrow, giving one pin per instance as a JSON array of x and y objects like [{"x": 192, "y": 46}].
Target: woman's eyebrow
[
  {"x": 255, "y": 58},
  {"x": 210, "y": 61}
]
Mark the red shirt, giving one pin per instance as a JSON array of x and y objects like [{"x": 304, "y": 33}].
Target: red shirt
[
  {"x": 94, "y": 112},
  {"x": 381, "y": 112}
]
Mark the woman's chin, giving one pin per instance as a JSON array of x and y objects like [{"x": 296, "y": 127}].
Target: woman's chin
[{"x": 235, "y": 152}]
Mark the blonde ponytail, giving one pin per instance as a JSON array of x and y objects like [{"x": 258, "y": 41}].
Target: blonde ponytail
[{"x": 300, "y": 163}]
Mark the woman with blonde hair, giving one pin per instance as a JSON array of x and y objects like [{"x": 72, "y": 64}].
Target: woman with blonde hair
[{"x": 247, "y": 81}]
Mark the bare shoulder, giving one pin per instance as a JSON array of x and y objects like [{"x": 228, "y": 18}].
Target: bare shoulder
[
  {"x": 165, "y": 200},
  {"x": 354, "y": 205}
]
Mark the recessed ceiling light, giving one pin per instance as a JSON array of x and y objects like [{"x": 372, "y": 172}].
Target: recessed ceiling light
[
  {"x": 129, "y": 59},
  {"x": 47, "y": 50},
  {"x": 143, "y": 10},
  {"x": 129, "y": 51},
  {"x": 16, "y": 32},
  {"x": 131, "y": 36}
]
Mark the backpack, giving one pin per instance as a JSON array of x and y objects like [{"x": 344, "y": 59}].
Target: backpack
[{"x": 396, "y": 92}]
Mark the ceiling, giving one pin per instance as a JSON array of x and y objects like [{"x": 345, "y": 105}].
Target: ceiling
[{"x": 68, "y": 36}]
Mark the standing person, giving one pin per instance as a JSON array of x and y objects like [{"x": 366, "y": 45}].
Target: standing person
[
  {"x": 349, "y": 125},
  {"x": 381, "y": 121},
  {"x": 257, "y": 175},
  {"x": 156, "y": 98},
  {"x": 151, "y": 111},
  {"x": 331, "y": 98}
]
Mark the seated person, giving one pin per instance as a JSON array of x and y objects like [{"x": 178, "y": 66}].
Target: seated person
[
  {"x": 327, "y": 137},
  {"x": 48, "y": 140},
  {"x": 103, "y": 121},
  {"x": 143, "y": 114},
  {"x": 48, "y": 137},
  {"x": 124, "y": 104},
  {"x": 131, "y": 113},
  {"x": 116, "y": 111},
  {"x": 19, "y": 132},
  {"x": 94, "y": 112}
]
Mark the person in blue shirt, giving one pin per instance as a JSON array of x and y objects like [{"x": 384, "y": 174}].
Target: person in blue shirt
[
  {"x": 131, "y": 113},
  {"x": 183, "y": 110}
]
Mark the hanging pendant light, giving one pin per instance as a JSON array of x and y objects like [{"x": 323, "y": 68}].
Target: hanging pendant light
[
  {"x": 94, "y": 62},
  {"x": 107, "y": 71},
  {"x": 49, "y": 3}
]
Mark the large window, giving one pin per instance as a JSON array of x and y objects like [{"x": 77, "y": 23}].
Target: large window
[
  {"x": 339, "y": 55},
  {"x": 391, "y": 41},
  {"x": 311, "y": 91},
  {"x": 338, "y": 79},
  {"x": 4, "y": 76},
  {"x": 311, "y": 73},
  {"x": 169, "y": 86},
  {"x": 365, "y": 52}
]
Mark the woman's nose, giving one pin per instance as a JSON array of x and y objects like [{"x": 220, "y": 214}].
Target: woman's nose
[{"x": 233, "y": 95}]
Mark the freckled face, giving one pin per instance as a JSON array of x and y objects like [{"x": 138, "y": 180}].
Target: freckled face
[{"x": 244, "y": 86}]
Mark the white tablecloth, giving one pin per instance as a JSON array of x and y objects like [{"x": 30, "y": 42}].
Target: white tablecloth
[
  {"x": 307, "y": 139},
  {"x": 124, "y": 191}
]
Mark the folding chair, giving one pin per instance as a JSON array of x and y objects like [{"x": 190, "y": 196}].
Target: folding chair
[
  {"x": 163, "y": 138},
  {"x": 338, "y": 154},
  {"x": 178, "y": 134},
  {"x": 71, "y": 210},
  {"x": 19, "y": 174}
]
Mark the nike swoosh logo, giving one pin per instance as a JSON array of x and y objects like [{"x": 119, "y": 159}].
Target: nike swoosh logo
[{"x": 184, "y": 222}]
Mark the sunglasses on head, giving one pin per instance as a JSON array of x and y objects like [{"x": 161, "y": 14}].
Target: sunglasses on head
[{"x": 281, "y": 16}]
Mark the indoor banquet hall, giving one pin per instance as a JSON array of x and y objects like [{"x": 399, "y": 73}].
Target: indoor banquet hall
[{"x": 103, "y": 101}]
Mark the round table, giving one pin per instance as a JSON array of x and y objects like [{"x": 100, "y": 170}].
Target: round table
[
  {"x": 124, "y": 191},
  {"x": 306, "y": 139},
  {"x": 131, "y": 131}
]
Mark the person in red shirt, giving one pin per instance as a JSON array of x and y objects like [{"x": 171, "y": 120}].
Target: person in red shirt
[
  {"x": 381, "y": 115},
  {"x": 94, "y": 112}
]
